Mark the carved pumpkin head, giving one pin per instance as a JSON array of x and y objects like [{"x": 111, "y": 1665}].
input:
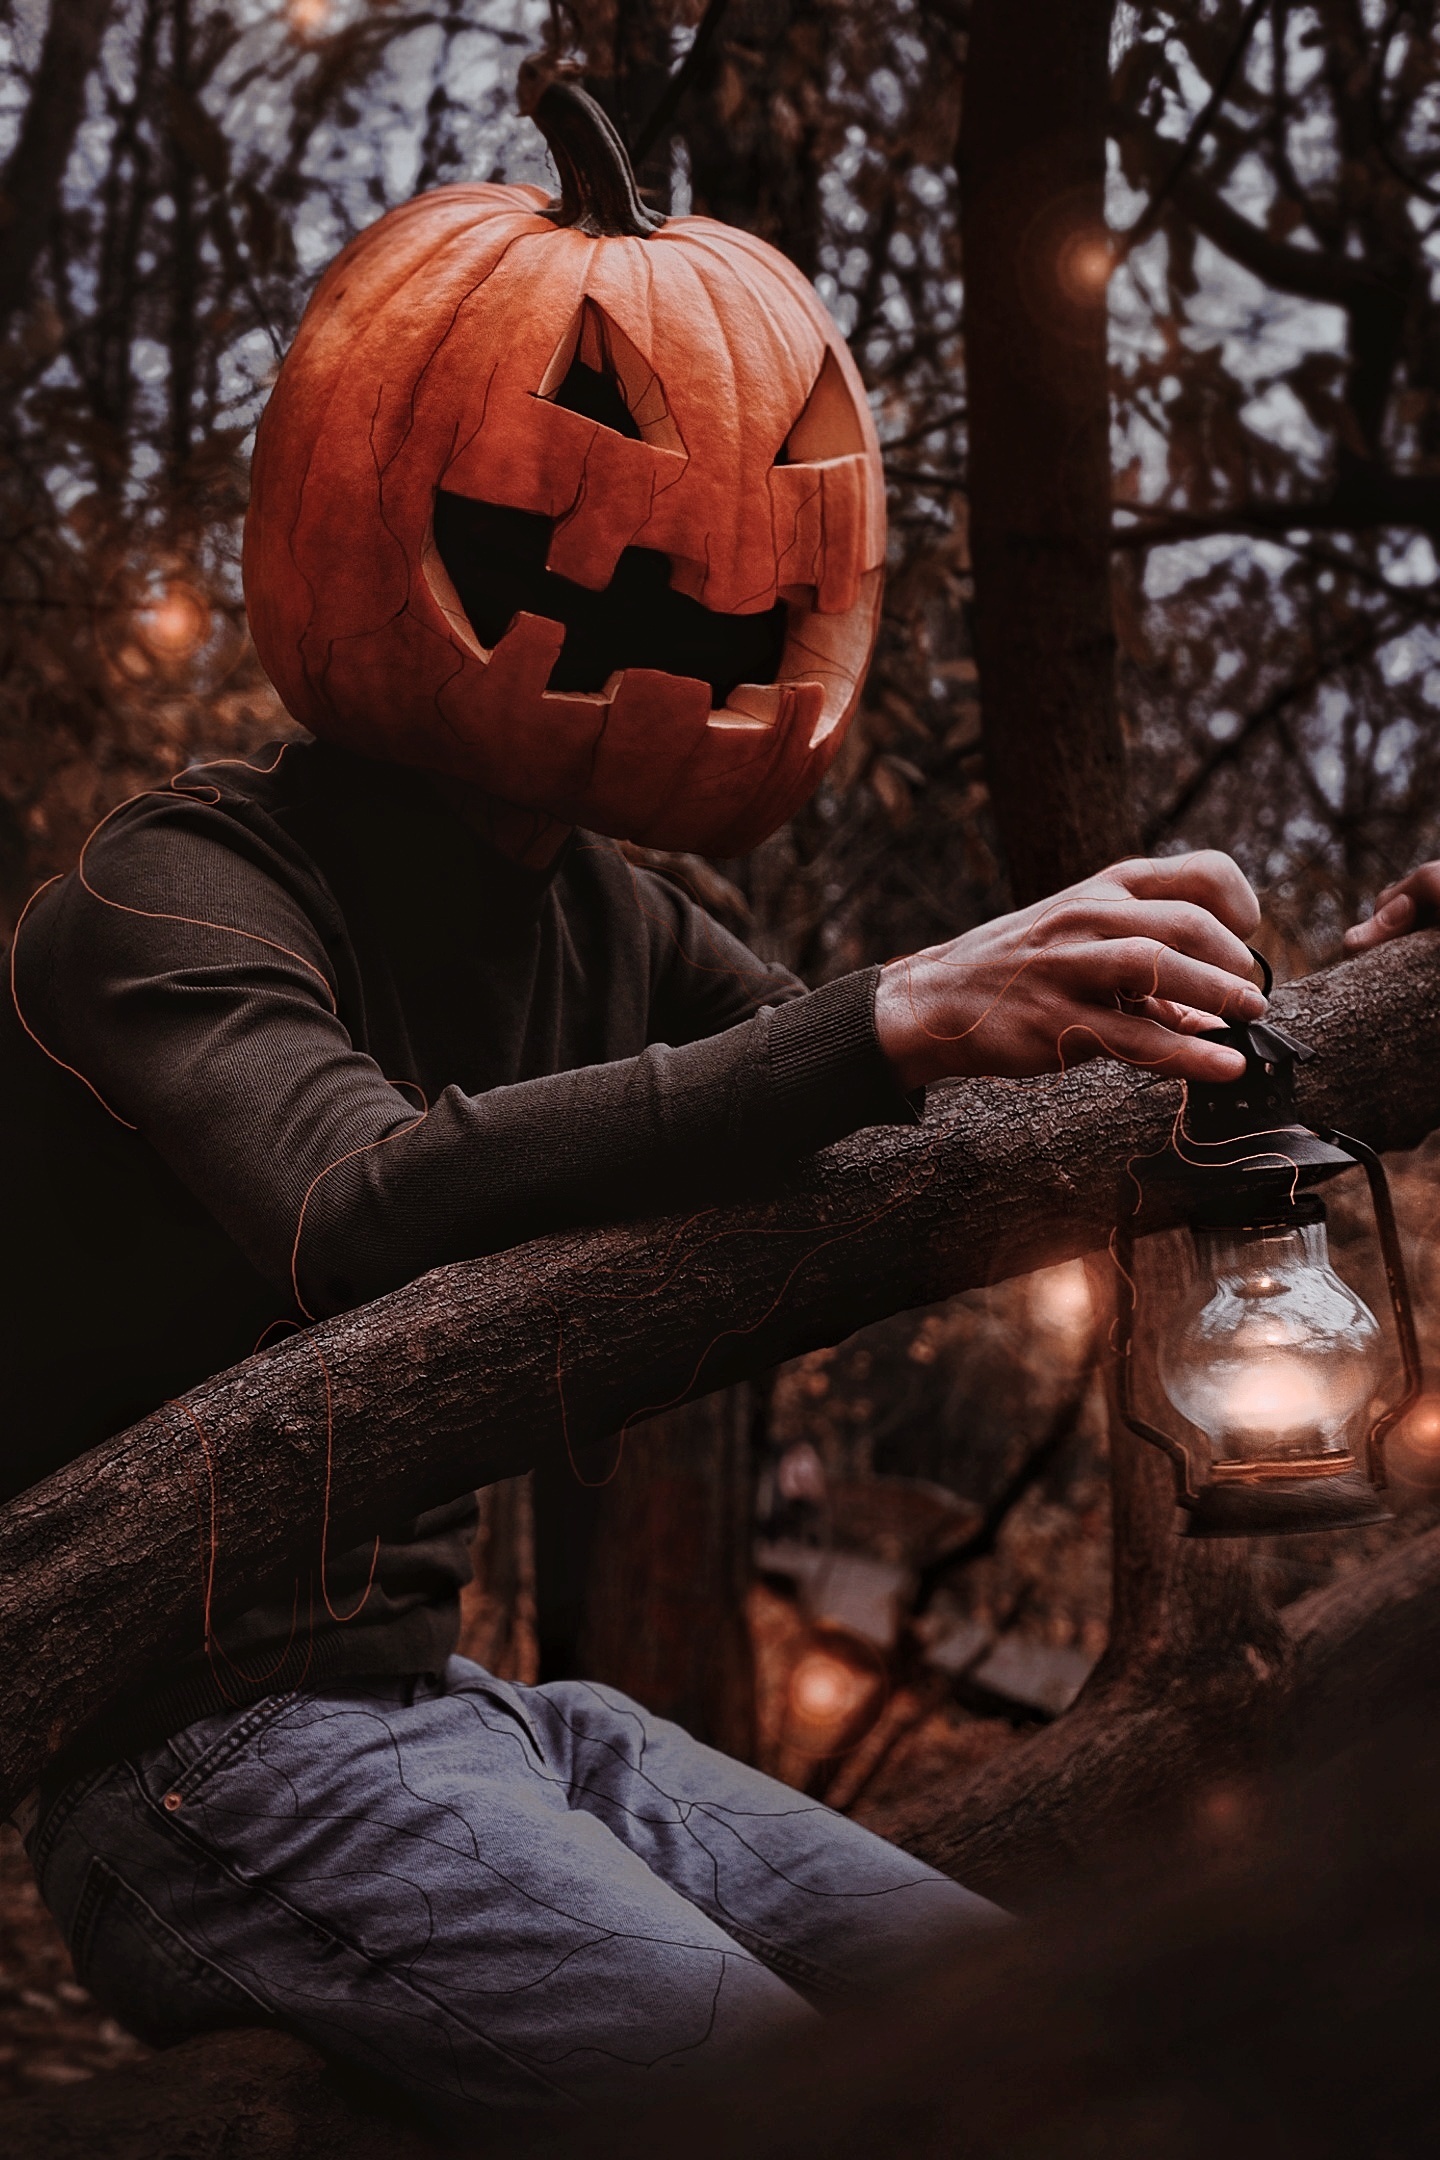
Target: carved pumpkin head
[{"x": 574, "y": 503}]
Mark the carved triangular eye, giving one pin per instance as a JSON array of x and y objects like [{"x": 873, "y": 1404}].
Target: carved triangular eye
[
  {"x": 828, "y": 426},
  {"x": 595, "y": 393},
  {"x": 598, "y": 372}
]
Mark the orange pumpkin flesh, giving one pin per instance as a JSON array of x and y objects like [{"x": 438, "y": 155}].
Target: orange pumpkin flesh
[{"x": 441, "y": 400}]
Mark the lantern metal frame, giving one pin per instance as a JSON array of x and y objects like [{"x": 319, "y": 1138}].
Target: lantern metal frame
[{"x": 1247, "y": 1161}]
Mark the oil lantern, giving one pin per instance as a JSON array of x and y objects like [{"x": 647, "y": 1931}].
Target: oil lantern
[{"x": 1270, "y": 1357}]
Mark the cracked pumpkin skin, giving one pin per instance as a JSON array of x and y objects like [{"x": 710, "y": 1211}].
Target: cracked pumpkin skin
[{"x": 427, "y": 360}]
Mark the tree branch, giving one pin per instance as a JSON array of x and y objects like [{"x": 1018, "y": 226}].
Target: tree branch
[
  {"x": 479, "y": 1370},
  {"x": 1364, "y": 496},
  {"x": 1195, "y": 135},
  {"x": 1309, "y": 273}
]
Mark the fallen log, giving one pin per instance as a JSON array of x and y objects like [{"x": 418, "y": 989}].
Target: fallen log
[{"x": 472, "y": 1373}]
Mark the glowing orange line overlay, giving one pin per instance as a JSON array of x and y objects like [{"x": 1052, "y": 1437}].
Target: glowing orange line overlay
[
  {"x": 674, "y": 1265},
  {"x": 200, "y": 794}
]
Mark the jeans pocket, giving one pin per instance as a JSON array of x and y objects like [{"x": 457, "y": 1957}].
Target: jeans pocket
[{"x": 143, "y": 1972}]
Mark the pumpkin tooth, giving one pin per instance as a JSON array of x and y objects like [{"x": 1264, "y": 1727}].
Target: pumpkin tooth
[{"x": 756, "y": 706}]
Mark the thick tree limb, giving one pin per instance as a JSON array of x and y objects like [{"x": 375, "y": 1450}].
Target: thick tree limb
[
  {"x": 478, "y": 1370},
  {"x": 226, "y": 2096}
]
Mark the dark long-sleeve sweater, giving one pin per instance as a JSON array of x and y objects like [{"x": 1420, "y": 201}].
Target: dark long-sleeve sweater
[{"x": 305, "y": 1035}]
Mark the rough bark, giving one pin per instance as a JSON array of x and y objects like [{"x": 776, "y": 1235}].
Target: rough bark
[
  {"x": 497, "y": 1605},
  {"x": 1032, "y": 174},
  {"x": 665, "y": 1609},
  {"x": 477, "y": 1371}
]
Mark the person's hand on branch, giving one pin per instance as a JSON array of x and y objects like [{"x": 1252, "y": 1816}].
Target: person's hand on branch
[
  {"x": 1411, "y": 903},
  {"x": 1135, "y": 963}
]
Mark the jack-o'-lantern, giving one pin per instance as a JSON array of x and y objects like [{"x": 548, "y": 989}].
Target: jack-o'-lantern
[{"x": 577, "y": 504}]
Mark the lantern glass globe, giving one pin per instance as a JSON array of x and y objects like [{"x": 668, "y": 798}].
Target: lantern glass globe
[{"x": 1271, "y": 1355}]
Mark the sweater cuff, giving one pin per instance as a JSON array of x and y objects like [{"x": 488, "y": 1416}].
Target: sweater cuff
[{"x": 827, "y": 1070}]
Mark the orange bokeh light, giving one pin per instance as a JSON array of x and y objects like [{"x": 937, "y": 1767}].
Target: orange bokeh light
[
  {"x": 173, "y": 623},
  {"x": 1060, "y": 1298},
  {"x": 1413, "y": 1450},
  {"x": 1085, "y": 263},
  {"x": 827, "y": 1692},
  {"x": 308, "y": 17}
]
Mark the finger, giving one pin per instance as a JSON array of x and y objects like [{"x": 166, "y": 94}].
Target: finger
[
  {"x": 1391, "y": 919},
  {"x": 1402, "y": 906},
  {"x": 1185, "y": 1019},
  {"x": 1179, "y": 923},
  {"x": 1137, "y": 968},
  {"x": 1150, "y": 1047},
  {"x": 1206, "y": 877}
]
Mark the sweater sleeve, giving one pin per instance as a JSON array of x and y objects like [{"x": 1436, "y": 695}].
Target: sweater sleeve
[{"x": 198, "y": 998}]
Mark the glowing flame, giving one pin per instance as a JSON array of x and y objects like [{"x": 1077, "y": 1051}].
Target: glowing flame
[
  {"x": 173, "y": 623},
  {"x": 1272, "y": 1399}
]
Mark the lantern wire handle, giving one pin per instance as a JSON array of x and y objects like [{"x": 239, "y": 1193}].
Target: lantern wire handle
[
  {"x": 598, "y": 195},
  {"x": 1401, "y": 1304},
  {"x": 1186, "y": 1492}
]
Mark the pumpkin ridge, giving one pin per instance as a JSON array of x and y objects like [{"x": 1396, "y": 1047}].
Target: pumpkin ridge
[
  {"x": 728, "y": 398},
  {"x": 718, "y": 257},
  {"x": 422, "y": 267},
  {"x": 457, "y": 449},
  {"x": 432, "y": 357},
  {"x": 319, "y": 679},
  {"x": 333, "y": 389}
]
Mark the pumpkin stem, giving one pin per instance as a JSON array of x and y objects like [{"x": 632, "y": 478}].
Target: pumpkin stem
[{"x": 597, "y": 187}]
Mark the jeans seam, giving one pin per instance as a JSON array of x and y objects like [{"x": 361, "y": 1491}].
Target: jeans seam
[
  {"x": 777, "y": 1959},
  {"x": 101, "y": 1876},
  {"x": 331, "y": 1935},
  {"x": 62, "y": 1807},
  {"x": 228, "y": 1744}
]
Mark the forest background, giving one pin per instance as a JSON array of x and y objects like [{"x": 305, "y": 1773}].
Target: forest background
[{"x": 174, "y": 175}]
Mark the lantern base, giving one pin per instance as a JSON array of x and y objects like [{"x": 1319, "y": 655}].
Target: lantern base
[{"x": 1278, "y": 1506}]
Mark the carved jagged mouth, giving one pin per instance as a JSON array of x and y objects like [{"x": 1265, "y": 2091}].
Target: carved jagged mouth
[{"x": 495, "y": 559}]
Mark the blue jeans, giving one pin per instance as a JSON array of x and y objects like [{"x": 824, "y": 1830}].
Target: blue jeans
[{"x": 493, "y": 1896}]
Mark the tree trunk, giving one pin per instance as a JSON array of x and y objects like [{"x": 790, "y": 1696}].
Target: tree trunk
[
  {"x": 30, "y": 183},
  {"x": 1187, "y": 1619},
  {"x": 665, "y": 1613},
  {"x": 108, "y": 1568},
  {"x": 497, "y": 1606},
  {"x": 1032, "y": 178}
]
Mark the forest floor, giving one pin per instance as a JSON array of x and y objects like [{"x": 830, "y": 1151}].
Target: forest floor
[{"x": 51, "y": 2032}]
